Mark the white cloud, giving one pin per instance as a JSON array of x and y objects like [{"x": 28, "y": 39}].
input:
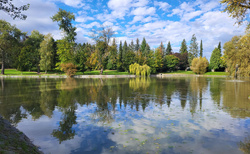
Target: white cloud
[
  {"x": 162, "y": 5},
  {"x": 142, "y": 11},
  {"x": 83, "y": 18}
]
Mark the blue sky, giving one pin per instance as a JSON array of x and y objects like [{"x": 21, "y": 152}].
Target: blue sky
[{"x": 156, "y": 20}]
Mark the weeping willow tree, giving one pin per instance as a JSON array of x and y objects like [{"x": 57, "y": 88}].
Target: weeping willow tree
[{"x": 139, "y": 70}]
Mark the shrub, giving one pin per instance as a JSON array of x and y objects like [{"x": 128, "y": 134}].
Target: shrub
[
  {"x": 139, "y": 70},
  {"x": 69, "y": 69},
  {"x": 199, "y": 65}
]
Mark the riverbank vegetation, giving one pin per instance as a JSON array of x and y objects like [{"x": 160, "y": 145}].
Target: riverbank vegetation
[{"x": 37, "y": 52}]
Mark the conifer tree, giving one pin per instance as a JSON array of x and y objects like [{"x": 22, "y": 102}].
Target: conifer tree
[
  {"x": 183, "y": 48},
  {"x": 219, "y": 46},
  {"x": 143, "y": 47},
  {"x": 193, "y": 49},
  {"x": 137, "y": 46},
  {"x": 132, "y": 46},
  {"x": 169, "y": 49},
  {"x": 201, "y": 49}
]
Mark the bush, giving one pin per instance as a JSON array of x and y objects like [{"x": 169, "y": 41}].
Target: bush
[
  {"x": 139, "y": 70},
  {"x": 199, "y": 65},
  {"x": 69, "y": 69}
]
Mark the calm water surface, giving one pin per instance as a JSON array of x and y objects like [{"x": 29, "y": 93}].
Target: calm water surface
[{"x": 140, "y": 115}]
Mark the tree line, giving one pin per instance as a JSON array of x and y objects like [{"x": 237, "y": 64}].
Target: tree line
[{"x": 38, "y": 51}]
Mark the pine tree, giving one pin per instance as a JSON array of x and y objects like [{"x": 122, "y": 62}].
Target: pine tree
[
  {"x": 169, "y": 49},
  {"x": 143, "y": 47},
  {"x": 215, "y": 59},
  {"x": 183, "y": 48},
  {"x": 162, "y": 48},
  {"x": 193, "y": 49},
  {"x": 120, "y": 58},
  {"x": 201, "y": 49},
  {"x": 132, "y": 46},
  {"x": 137, "y": 46}
]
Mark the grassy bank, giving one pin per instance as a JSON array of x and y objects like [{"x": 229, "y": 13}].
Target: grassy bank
[{"x": 14, "y": 72}]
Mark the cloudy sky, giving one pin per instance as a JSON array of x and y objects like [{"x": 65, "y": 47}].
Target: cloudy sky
[{"x": 156, "y": 20}]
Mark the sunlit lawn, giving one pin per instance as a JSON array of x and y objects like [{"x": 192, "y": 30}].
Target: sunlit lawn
[{"x": 97, "y": 72}]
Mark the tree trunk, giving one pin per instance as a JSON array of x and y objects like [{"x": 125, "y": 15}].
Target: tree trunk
[
  {"x": 212, "y": 70},
  {"x": 38, "y": 69},
  {"x": 101, "y": 72},
  {"x": 3, "y": 56}
]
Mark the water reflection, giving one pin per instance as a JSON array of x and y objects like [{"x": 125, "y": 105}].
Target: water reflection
[{"x": 136, "y": 113}]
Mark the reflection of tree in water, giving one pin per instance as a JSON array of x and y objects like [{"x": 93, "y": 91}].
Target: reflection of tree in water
[
  {"x": 67, "y": 104},
  {"x": 215, "y": 90},
  {"x": 182, "y": 88},
  {"x": 139, "y": 83},
  {"x": 198, "y": 86},
  {"x": 235, "y": 98},
  {"x": 65, "y": 131},
  {"x": 245, "y": 145}
]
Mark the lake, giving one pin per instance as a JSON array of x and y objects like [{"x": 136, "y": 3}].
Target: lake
[{"x": 136, "y": 115}]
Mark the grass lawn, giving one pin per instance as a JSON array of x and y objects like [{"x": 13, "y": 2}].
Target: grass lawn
[
  {"x": 106, "y": 72},
  {"x": 191, "y": 72}
]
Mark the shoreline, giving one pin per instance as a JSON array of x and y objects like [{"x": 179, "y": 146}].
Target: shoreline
[
  {"x": 14, "y": 141},
  {"x": 108, "y": 76}
]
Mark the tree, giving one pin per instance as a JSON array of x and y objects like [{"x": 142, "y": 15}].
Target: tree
[
  {"x": 199, "y": 65},
  {"x": 120, "y": 58},
  {"x": 64, "y": 20},
  {"x": 237, "y": 9},
  {"x": 159, "y": 61},
  {"x": 201, "y": 49},
  {"x": 137, "y": 45},
  {"x": 183, "y": 60},
  {"x": 132, "y": 46},
  {"x": 10, "y": 37},
  {"x": 237, "y": 52},
  {"x": 46, "y": 53},
  {"x": 171, "y": 62},
  {"x": 102, "y": 54},
  {"x": 215, "y": 59},
  {"x": 15, "y": 12},
  {"x": 112, "y": 59},
  {"x": 193, "y": 49},
  {"x": 34, "y": 40},
  {"x": 183, "y": 48},
  {"x": 103, "y": 34},
  {"x": 65, "y": 51},
  {"x": 143, "y": 47},
  {"x": 169, "y": 49},
  {"x": 219, "y": 46}
]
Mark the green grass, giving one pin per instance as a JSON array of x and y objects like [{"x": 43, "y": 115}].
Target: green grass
[
  {"x": 191, "y": 72},
  {"x": 23, "y": 73},
  {"x": 181, "y": 72}
]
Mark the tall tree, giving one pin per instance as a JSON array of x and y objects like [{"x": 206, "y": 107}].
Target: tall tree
[
  {"x": 201, "y": 49},
  {"x": 120, "y": 58},
  {"x": 64, "y": 20},
  {"x": 112, "y": 59},
  {"x": 10, "y": 38},
  {"x": 237, "y": 9},
  {"x": 34, "y": 41},
  {"x": 183, "y": 48},
  {"x": 137, "y": 45},
  {"x": 193, "y": 49},
  {"x": 143, "y": 47},
  {"x": 14, "y": 11},
  {"x": 169, "y": 49},
  {"x": 219, "y": 46},
  {"x": 162, "y": 48},
  {"x": 132, "y": 46},
  {"x": 46, "y": 53},
  {"x": 215, "y": 59}
]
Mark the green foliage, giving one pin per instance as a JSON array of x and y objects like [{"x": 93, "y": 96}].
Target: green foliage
[
  {"x": 64, "y": 19},
  {"x": 201, "y": 49},
  {"x": 237, "y": 51},
  {"x": 137, "y": 45},
  {"x": 215, "y": 60},
  {"x": 171, "y": 62},
  {"x": 193, "y": 49},
  {"x": 112, "y": 58},
  {"x": 46, "y": 53},
  {"x": 183, "y": 48},
  {"x": 143, "y": 47},
  {"x": 199, "y": 65},
  {"x": 69, "y": 69},
  {"x": 102, "y": 54},
  {"x": 237, "y": 9},
  {"x": 25, "y": 59},
  {"x": 139, "y": 70},
  {"x": 159, "y": 60},
  {"x": 169, "y": 49},
  {"x": 65, "y": 51}
]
